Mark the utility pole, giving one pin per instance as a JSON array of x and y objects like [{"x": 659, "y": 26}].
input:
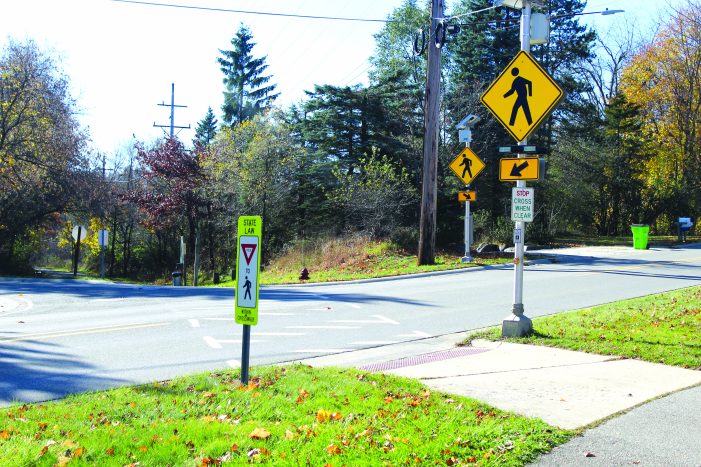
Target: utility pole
[
  {"x": 429, "y": 191},
  {"x": 172, "y": 113}
]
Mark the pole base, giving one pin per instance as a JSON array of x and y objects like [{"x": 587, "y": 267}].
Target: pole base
[
  {"x": 467, "y": 259},
  {"x": 516, "y": 326}
]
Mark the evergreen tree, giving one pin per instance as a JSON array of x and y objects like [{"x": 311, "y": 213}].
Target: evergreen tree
[
  {"x": 206, "y": 129},
  {"x": 246, "y": 90}
]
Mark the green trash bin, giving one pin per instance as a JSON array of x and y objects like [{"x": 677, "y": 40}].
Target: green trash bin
[{"x": 640, "y": 233}]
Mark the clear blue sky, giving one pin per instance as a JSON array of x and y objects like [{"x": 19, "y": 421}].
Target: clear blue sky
[{"x": 122, "y": 58}]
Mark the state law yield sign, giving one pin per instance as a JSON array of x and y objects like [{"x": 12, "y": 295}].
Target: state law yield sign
[
  {"x": 522, "y": 96},
  {"x": 466, "y": 166},
  {"x": 248, "y": 269}
]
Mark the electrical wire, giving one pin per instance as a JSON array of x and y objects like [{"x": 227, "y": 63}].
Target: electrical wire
[
  {"x": 263, "y": 13},
  {"x": 469, "y": 13}
]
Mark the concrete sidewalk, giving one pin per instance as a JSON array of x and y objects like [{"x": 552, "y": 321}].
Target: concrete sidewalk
[{"x": 571, "y": 390}]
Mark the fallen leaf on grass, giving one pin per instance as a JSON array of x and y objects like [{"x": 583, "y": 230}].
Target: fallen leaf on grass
[
  {"x": 5, "y": 434},
  {"x": 79, "y": 452},
  {"x": 259, "y": 433},
  {"x": 63, "y": 461},
  {"x": 323, "y": 416},
  {"x": 333, "y": 449},
  {"x": 69, "y": 444},
  {"x": 109, "y": 451}
]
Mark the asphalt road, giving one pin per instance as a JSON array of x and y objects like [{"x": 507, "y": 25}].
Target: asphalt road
[{"x": 63, "y": 336}]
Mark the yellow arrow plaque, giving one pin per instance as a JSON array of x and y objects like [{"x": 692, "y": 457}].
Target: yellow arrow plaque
[
  {"x": 467, "y": 196},
  {"x": 513, "y": 169}
]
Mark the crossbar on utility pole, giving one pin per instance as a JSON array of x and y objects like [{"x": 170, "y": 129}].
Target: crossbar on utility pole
[{"x": 172, "y": 106}]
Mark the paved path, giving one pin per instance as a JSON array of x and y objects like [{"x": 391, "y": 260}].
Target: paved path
[{"x": 572, "y": 390}]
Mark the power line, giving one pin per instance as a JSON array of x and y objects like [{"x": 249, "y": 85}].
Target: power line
[{"x": 263, "y": 13}]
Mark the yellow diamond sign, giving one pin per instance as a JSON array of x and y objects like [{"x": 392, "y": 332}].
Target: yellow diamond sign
[
  {"x": 466, "y": 166},
  {"x": 522, "y": 96}
]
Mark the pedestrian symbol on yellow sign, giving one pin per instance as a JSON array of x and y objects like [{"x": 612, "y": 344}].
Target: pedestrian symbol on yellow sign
[
  {"x": 522, "y": 96},
  {"x": 466, "y": 166},
  {"x": 523, "y": 89},
  {"x": 467, "y": 162}
]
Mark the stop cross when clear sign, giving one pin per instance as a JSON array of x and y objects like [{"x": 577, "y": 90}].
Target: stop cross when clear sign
[{"x": 522, "y": 204}]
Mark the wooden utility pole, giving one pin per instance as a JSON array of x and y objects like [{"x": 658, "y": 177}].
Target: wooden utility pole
[{"x": 429, "y": 192}]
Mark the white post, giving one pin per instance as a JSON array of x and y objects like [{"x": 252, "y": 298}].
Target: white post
[
  {"x": 517, "y": 324},
  {"x": 467, "y": 258}
]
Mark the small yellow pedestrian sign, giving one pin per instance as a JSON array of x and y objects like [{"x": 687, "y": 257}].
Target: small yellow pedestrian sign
[
  {"x": 522, "y": 96},
  {"x": 248, "y": 269},
  {"x": 466, "y": 166},
  {"x": 513, "y": 169}
]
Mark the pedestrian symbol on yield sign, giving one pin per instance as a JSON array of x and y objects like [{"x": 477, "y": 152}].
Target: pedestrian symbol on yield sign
[{"x": 523, "y": 89}]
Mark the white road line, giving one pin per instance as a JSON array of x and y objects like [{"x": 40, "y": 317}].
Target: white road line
[
  {"x": 379, "y": 320},
  {"x": 195, "y": 323},
  {"x": 212, "y": 342},
  {"x": 217, "y": 343},
  {"x": 320, "y": 350},
  {"x": 280, "y": 334},
  {"x": 373, "y": 342},
  {"x": 27, "y": 302},
  {"x": 356, "y": 306},
  {"x": 322, "y": 327},
  {"x": 415, "y": 334},
  {"x": 233, "y": 363},
  {"x": 272, "y": 313},
  {"x": 108, "y": 299}
]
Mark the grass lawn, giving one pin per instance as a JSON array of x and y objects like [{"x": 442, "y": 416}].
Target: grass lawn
[
  {"x": 357, "y": 258},
  {"x": 626, "y": 240},
  {"x": 286, "y": 416},
  {"x": 662, "y": 328}
]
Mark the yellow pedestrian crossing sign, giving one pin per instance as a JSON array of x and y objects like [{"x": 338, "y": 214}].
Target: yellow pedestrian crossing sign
[
  {"x": 466, "y": 166},
  {"x": 522, "y": 96}
]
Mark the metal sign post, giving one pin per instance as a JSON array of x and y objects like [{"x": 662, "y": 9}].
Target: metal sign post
[
  {"x": 466, "y": 166},
  {"x": 467, "y": 258},
  {"x": 102, "y": 237},
  {"x": 250, "y": 229},
  {"x": 78, "y": 233},
  {"x": 518, "y": 324},
  {"x": 521, "y": 98}
]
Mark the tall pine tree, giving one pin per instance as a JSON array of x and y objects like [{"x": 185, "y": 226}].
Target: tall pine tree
[
  {"x": 206, "y": 129},
  {"x": 247, "y": 91}
]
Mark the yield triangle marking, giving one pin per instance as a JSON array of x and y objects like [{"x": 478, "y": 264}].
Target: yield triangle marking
[{"x": 248, "y": 249}]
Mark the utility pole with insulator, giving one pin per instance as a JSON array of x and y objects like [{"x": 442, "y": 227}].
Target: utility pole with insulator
[{"x": 172, "y": 106}]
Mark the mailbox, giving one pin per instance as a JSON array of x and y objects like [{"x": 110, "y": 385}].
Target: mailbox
[{"x": 684, "y": 224}]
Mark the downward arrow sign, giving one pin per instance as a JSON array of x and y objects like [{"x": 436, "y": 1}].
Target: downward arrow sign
[{"x": 517, "y": 169}]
